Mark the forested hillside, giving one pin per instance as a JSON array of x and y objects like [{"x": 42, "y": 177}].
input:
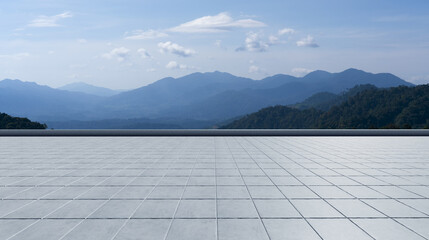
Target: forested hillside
[
  {"x": 9, "y": 122},
  {"x": 397, "y": 107}
]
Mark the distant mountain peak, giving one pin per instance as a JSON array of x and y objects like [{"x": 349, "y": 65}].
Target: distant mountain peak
[
  {"x": 18, "y": 84},
  {"x": 13, "y": 81},
  {"x": 318, "y": 74},
  {"x": 353, "y": 70},
  {"x": 89, "y": 89}
]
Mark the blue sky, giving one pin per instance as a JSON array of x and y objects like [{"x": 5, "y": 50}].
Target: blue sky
[{"x": 126, "y": 44}]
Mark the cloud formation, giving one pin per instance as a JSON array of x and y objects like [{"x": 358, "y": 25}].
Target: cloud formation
[
  {"x": 254, "y": 69},
  {"x": 301, "y": 71},
  {"x": 119, "y": 54},
  {"x": 49, "y": 21},
  {"x": 253, "y": 43},
  {"x": 150, "y": 34},
  {"x": 143, "y": 53},
  {"x": 307, "y": 42},
  {"x": 218, "y": 23},
  {"x": 176, "y": 49},
  {"x": 273, "y": 40},
  {"x": 285, "y": 31},
  {"x": 175, "y": 65}
]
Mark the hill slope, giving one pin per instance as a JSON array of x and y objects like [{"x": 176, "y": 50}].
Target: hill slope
[
  {"x": 44, "y": 103},
  {"x": 398, "y": 107},
  {"x": 326, "y": 100},
  {"x": 9, "y": 122},
  {"x": 89, "y": 89}
]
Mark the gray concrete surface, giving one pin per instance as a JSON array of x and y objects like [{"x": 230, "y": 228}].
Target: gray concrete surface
[{"x": 214, "y": 188}]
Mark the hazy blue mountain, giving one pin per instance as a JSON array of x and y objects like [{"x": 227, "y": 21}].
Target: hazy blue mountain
[
  {"x": 89, "y": 89},
  {"x": 338, "y": 82},
  {"x": 28, "y": 99},
  {"x": 288, "y": 90},
  {"x": 206, "y": 97},
  {"x": 233, "y": 103},
  {"x": 168, "y": 93},
  {"x": 275, "y": 81}
]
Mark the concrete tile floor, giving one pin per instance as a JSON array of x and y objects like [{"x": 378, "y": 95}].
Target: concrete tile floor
[{"x": 214, "y": 188}]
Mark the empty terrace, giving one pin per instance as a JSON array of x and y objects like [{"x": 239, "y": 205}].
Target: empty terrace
[{"x": 214, "y": 188}]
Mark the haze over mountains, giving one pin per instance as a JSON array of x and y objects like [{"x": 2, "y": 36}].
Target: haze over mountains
[
  {"x": 89, "y": 89},
  {"x": 198, "y": 97}
]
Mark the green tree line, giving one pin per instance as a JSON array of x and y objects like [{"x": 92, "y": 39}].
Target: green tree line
[
  {"x": 397, "y": 107},
  {"x": 9, "y": 122}
]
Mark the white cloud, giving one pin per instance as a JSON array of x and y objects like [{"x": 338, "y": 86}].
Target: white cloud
[
  {"x": 175, "y": 65},
  {"x": 150, "y": 34},
  {"x": 119, "y": 54},
  {"x": 151, "y": 70},
  {"x": 143, "y": 53},
  {"x": 285, "y": 31},
  {"x": 218, "y": 23},
  {"x": 82, "y": 40},
  {"x": 254, "y": 69},
  {"x": 253, "y": 43},
  {"x": 273, "y": 40},
  {"x": 175, "y": 49},
  {"x": 307, "y": 42},
  {"x": 49, "y": 21},
  {"x": 301, "y": 71}
]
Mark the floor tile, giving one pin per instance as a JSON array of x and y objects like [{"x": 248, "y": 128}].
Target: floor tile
[
  {"x": 156, "y": 209},
  {"x": 290, "y": 229},
  {"x": 381, "y": 229},
  {"x": 192, "y": 229},
  {"x": 276, "y": 209},
  {"x": 338, "y": 229},
  {"x": 196, "y": 209},
  {"x": 136, "y": 229},
  {"x": 95, "y": 229},
  {"x": 236, "y": 209},
  {"x": 250, "y": 229},
  {"x": 47, "y": 229},
  {"x": 393, "y": 208},
  {"x": 354, "y": 208},
  {"x": 315, "y": 208}
]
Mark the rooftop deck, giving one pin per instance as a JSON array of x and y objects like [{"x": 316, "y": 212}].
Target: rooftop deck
[{"x": 214, "y": 188}]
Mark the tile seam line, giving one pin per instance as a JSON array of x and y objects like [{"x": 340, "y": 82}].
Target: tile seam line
[
  {"x": 105, "y": 200},
  {"x": 147, "y": 196},
  {"x": 392, "y": 218},
  {"x": 22, "y": 230},
  {"x": 181, "y": 196},
  {"x": 242, "y": 178},
  {"x": 314, "y": 193}
]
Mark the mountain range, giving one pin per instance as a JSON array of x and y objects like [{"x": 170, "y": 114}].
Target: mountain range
[{"x": 200, "y": 97}]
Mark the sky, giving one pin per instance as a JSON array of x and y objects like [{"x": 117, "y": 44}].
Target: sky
[{"x": 125, "y": 44}]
